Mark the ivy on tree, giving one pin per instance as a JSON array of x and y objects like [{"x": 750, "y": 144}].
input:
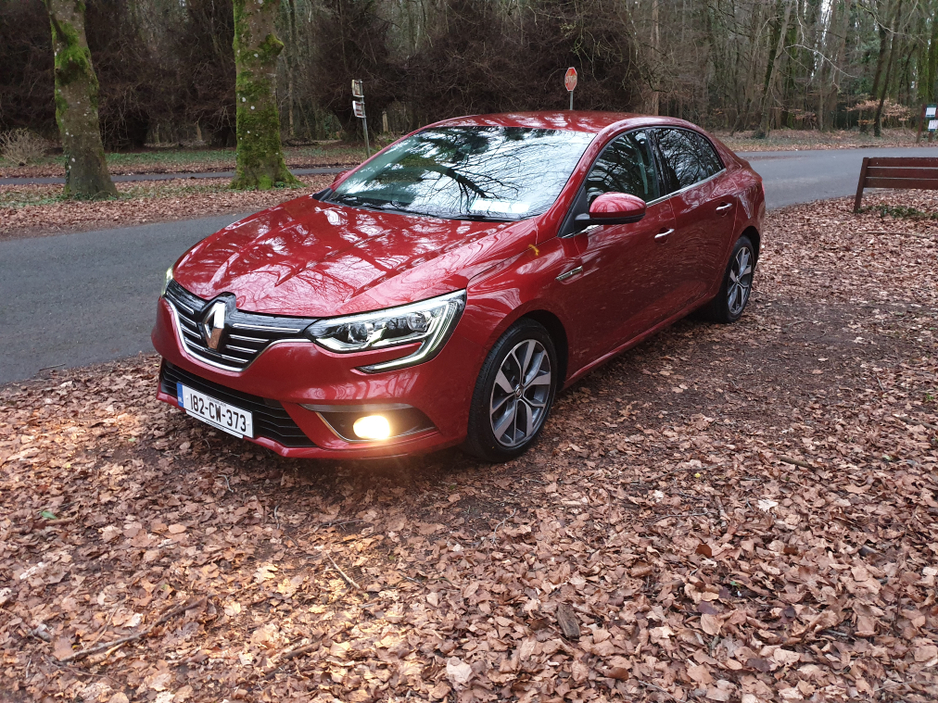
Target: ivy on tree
[
  {"x": 260, "y": 162},
  {"x": 76, "y": 103}
]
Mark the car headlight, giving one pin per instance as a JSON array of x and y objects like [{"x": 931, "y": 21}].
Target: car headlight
[
  {"x": 428, "y": 322},
  {"x": 166, "y": 279}
]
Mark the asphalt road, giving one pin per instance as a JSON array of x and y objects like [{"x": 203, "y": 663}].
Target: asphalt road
[
  {"x": 72, "y": 300},
  {"x": 808, "y": 175}
]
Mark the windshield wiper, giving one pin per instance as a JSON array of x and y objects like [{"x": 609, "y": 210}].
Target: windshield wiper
[
  {"x": 474, "y": 217},
  {"x": 371, "y": 204}
]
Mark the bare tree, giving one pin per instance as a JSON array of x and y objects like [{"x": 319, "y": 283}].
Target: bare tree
[
  {"x": 76, "y": 103},
  {"x": 260, "y": 160}
]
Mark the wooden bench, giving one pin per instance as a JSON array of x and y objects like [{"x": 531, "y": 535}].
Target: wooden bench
[{"x": 920, "y": 173}]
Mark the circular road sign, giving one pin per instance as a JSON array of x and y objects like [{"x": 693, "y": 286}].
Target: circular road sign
[{"x": 569, "y": 79}]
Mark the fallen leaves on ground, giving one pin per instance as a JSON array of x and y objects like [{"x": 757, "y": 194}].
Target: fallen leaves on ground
[
  {"x": 742, "y": 512},
  {"x": 164, "y": 160},
  {"x": 39, "y": 211},
  {"x": 789, "y": 139}
]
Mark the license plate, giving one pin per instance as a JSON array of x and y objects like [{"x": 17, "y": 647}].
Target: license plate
[{"x": 217, "y": 413}]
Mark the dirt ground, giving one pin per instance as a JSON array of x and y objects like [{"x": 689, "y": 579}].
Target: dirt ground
[{"x": 743, "y": 512}]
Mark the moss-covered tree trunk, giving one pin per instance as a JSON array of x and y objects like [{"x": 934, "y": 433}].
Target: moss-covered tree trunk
[
  {"x": 256, "y": 48},
  {"x": 76, "y": 103}
]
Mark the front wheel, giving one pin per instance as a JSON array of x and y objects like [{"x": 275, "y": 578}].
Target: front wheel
[
  {"x": 513, "y": 394},
  {"x": 730, "y": 302}
]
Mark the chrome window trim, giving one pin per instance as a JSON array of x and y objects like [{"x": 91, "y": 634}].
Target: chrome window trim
[{"x": 686, "y": 188}]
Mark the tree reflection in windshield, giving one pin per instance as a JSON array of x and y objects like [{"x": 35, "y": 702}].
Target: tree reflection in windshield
[{"x": 499, "y": 173}]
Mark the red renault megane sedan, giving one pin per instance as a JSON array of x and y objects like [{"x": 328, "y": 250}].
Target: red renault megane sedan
[{"x": 447, "y": 289}]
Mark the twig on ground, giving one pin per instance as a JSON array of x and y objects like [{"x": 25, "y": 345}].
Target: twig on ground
[
  {"x": 302, "y": 650},
  {"x": 107, "y": 623},
  {"x": 351, "y": 582},
  {"x": 501, "y": 523},
  {"x": 289, "y": 655},
  {"x": 909, "y": 421},
  {"x": 676, "y": 515},
  {"x": 797, "y": 463},
  {"x": 723, "y": 517},
  {"x": 135, "y": 636},
  {"x": 329, "y": 524},
  {"x": 652, "y": 685}
]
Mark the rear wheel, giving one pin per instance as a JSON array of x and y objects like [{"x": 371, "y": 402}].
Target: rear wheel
[
  {"x": 513, "y": 394},
  {"x": 731, "y": 301}
]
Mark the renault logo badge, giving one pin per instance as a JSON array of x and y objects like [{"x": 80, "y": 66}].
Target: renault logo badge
[{"x": 213, "y": 324}]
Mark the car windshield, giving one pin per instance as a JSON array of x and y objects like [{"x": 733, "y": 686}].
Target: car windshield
[{"x": 472, "y": 173}]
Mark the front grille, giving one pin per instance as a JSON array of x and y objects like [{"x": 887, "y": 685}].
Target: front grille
[
  {"x": 245, "y": 336},
  {"x": 270, "y": 418}
]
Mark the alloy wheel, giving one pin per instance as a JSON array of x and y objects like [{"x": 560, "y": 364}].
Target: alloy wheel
[
  {"x": 521, "y": 394},
  {"x": 740, "y": 282}
]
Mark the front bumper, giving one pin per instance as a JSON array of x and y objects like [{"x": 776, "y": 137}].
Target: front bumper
[{"x": 295, "y": 388}]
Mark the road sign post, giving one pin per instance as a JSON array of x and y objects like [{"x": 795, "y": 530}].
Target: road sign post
[
  {"x": 928, "y": 122},
  {"x": 358, "y": 107},
  {"x": 569, "y": 82}
]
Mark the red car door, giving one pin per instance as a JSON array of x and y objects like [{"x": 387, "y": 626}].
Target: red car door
[
  {"x": 704, "y": 204},
  {"x": 621, "y": 271}
]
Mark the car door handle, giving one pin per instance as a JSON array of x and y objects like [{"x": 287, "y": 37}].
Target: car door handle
[
  {"x": 661, "y": 235},
  {"x": 567, "y": 274},
  {"x": 725, "y": 206}
]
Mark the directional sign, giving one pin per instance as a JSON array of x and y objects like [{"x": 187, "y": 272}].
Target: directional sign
[
  {"x": 569, "y": 79},
  {"x": 358, "y": 107}
]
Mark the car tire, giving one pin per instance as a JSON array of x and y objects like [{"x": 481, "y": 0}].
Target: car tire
[
  {"x": 731, "y": 301},
  {"x": 513, "y": 394}
]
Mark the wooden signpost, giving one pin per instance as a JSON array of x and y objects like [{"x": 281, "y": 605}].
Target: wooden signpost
[
  {"x": 358, "y": 107},
  {"x": 928, "y": 122}
]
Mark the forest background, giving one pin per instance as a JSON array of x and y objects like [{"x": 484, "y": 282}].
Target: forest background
[{"x": 167, "y": 72}]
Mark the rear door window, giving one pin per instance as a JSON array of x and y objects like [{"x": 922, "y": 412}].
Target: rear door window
[
  {"x": 625, "y": 166},
  {"x": 689, "y": 157}
]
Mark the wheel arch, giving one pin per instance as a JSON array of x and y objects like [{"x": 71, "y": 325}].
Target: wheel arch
[
  {"x": 558, "y": 334},
  {"x": 753, "y": 234}
]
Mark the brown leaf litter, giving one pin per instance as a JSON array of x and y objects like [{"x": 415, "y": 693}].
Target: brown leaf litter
[{"x": 657, "y": 544}]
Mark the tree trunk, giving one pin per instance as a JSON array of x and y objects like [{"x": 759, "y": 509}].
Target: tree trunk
[
  {"x": 779, "y": 33},
  {"x": 838, "y": 35},
  {"x": 878, "y": 117},
  {"x": 928, "y": 86},
  {"x": 292, "y": 67},
  {"x": 76, "y": 103},
  {"x": 880, "y": 62},
  {"x": 259, "y": 152},
  {"x": 654, "y": 104}
]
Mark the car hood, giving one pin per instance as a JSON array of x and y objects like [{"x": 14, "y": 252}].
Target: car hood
[{"x": 312, "y": 259}]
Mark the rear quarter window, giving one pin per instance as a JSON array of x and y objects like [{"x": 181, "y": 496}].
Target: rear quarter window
[{"x": 689, "y": 157}]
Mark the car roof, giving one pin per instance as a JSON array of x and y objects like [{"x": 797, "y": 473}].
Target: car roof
[{"x": 577, "y": 120}]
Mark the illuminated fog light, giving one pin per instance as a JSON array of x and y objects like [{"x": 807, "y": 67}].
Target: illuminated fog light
[{"x": 372, "y": 428}]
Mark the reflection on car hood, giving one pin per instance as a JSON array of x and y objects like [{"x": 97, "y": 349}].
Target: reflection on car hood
[{"x": 309, "y": 258}]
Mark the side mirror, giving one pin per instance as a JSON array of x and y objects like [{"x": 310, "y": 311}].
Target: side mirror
[{"x": 613, "y": 209}]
